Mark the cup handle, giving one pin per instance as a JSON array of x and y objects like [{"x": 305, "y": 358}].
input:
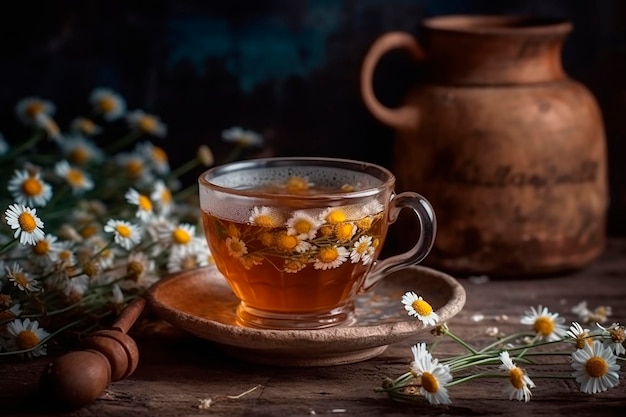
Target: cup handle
[{"x": 428, "y": 229}]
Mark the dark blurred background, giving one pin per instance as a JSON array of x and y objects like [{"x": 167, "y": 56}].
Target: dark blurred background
[{"x": 288, "y": 69}]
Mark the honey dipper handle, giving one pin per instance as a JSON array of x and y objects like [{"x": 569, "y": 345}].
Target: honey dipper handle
[
  {"x": 129, "y": 315},
  {"x": 78, "y": 378}
]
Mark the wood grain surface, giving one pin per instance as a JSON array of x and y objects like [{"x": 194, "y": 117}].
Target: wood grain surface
[{"x": 176, "y": 370}]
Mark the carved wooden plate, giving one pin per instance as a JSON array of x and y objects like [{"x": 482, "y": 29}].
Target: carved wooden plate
[{"x": 201, "y": 303}]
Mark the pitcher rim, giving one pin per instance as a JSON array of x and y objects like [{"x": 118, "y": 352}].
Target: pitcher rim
[{"x": 484, "y": 24}]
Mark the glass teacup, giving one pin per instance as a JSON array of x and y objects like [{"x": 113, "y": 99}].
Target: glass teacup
[{"x": 298, "y": 238}]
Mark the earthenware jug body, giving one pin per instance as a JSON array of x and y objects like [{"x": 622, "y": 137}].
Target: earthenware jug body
[{"x": 507, "y": 147}]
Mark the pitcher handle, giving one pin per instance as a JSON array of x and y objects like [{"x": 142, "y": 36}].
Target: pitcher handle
[
  {"x": 401, "y": 117},
  {"x": 427, "y": 231}
]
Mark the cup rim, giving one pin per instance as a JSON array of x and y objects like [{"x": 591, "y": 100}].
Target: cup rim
[{"x": 385, "y": 175}]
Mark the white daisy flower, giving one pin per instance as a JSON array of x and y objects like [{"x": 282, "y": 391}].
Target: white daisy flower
[
  {"x": 80, "y": 151},
  {"x": 135, "y": 167},
  {"x": 76, "y": 286},
  {"x": 303, "y": 225},
  {"x": 21, "y": 279},
  {"x": 334, "y": 215},
  {"x": 330, "y": 257},
  {"x": 595, "y": 368},
  {"x": 10, "y": 313},
  {"x": 432, "y": 376},
  {"x": 140, "y": 272},
  {"x": 29, "y": 189},
  {"x": 416, "y": 306},
  {"x": 181, "y": 259},
  {"x": 579, "y": 336},
  {"x": 146, "y": 123},
  {"x": 520, "y": 383},
  {"x": 363, "y": 250},
  {"x": 291, "y": 266},
  {"x": 236, "y": 247},
  {"x": 28, "y": 227},
  {"x": 107, "y": 103},
  {"x": 25, "y": 335},
  {"x": 420, "y": 351},
  {"x": 29, "y": 110},
  {"x": 288, "y": 243},
  {"x": 547, "y": 326},
  {"x": 78, "y": 180},
  {"x": 178, "y": 234},
  {"x": 66, "y": 258},
  {"x": 155, "y": 155},
  {"x": 162, "y": 196},
  {"x": 614, "y": 337},
  {"x": 265, "y": 217},
  {"x": 144, "y": 205},
  {"x": 85, "y": 126},
  {"x": 241, "y": 137},
  {"x": 126, "y": 234}
]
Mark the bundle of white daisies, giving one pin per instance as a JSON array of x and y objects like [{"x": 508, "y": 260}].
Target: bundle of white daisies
[
  {"x": 589, "y": 356},
  {"x": 86, "y": 228}
]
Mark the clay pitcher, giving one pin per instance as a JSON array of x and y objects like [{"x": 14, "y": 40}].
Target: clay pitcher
[{"x": 509, "y": 150}]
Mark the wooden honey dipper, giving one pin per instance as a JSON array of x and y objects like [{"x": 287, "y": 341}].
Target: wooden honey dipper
[{"x": 78, "y": 378}]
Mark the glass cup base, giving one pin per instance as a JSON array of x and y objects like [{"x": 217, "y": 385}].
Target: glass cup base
[{"x": 251, "y": 317}]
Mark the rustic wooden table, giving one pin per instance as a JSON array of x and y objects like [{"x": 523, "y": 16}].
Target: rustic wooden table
[{"x": 176, "y": 370}]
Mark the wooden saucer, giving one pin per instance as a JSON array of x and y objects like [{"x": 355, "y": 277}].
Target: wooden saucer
[{"x": 201, "y": 303}]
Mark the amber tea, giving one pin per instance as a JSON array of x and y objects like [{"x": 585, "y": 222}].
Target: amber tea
[{"x": 297, "y": 240}]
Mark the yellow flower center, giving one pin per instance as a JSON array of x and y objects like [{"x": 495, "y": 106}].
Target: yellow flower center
[
  {"x": 106, "y": 104},
  {"x": 267, "y": 239},
  {"x": 264, "y": 220},
  {"x": 27, "y": 222},
  {"x": 362, "y": 247},
  {"x": 65, "y": 255},
  {"x": 236, "y": 246},
  {"x": 26, "y": 340},
  {"x": 302, "y": 226},
  {"x": 336, "y": 216},
  {"x": 328, "y": 255},
  {"x": 583, "y": 339},
  {"x": 159, "y": 154},
  {"x": 145, "y": 203},
  {"x": 21, "y": 279},
  {"x": 325, "y": 230},
  {"x": 123, "y": 230},
  {"x": 296, "y": 185},
  {"x": 134, "y": 168},
  {"x": 166, "y": 196},
  {"x": 32, "y": 187},
  {"x": 422, "y": 308},
  {"x": 516, "y": 376},
  {"x": 430, "y": 383},
  {"x": 344, "y": 231},
  {"x": 6, "y": 315},
  {"x": 543, "y": 325},
  {"x": 134, "y": 269},
  {"x": 189, "y": 262},
  {"x": 75, "y": 177},
  {"x": 365, "y": 223},
  {"x": 286, "y": 242},
  {"x": 596, "y": 367},
  {"x": 147, "y": 124},
  {"x": 180, "y": 236},
  {"x": 34, "y": 108},
  {"x": 79, "y": 155},
  {"x": 41, "y": 248},
  {"x": 618, "y": 334},
  {"x": 88, "y": 231},
  {"x": 90, "y": 269},
  {"x": 232, "y": 230}
]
